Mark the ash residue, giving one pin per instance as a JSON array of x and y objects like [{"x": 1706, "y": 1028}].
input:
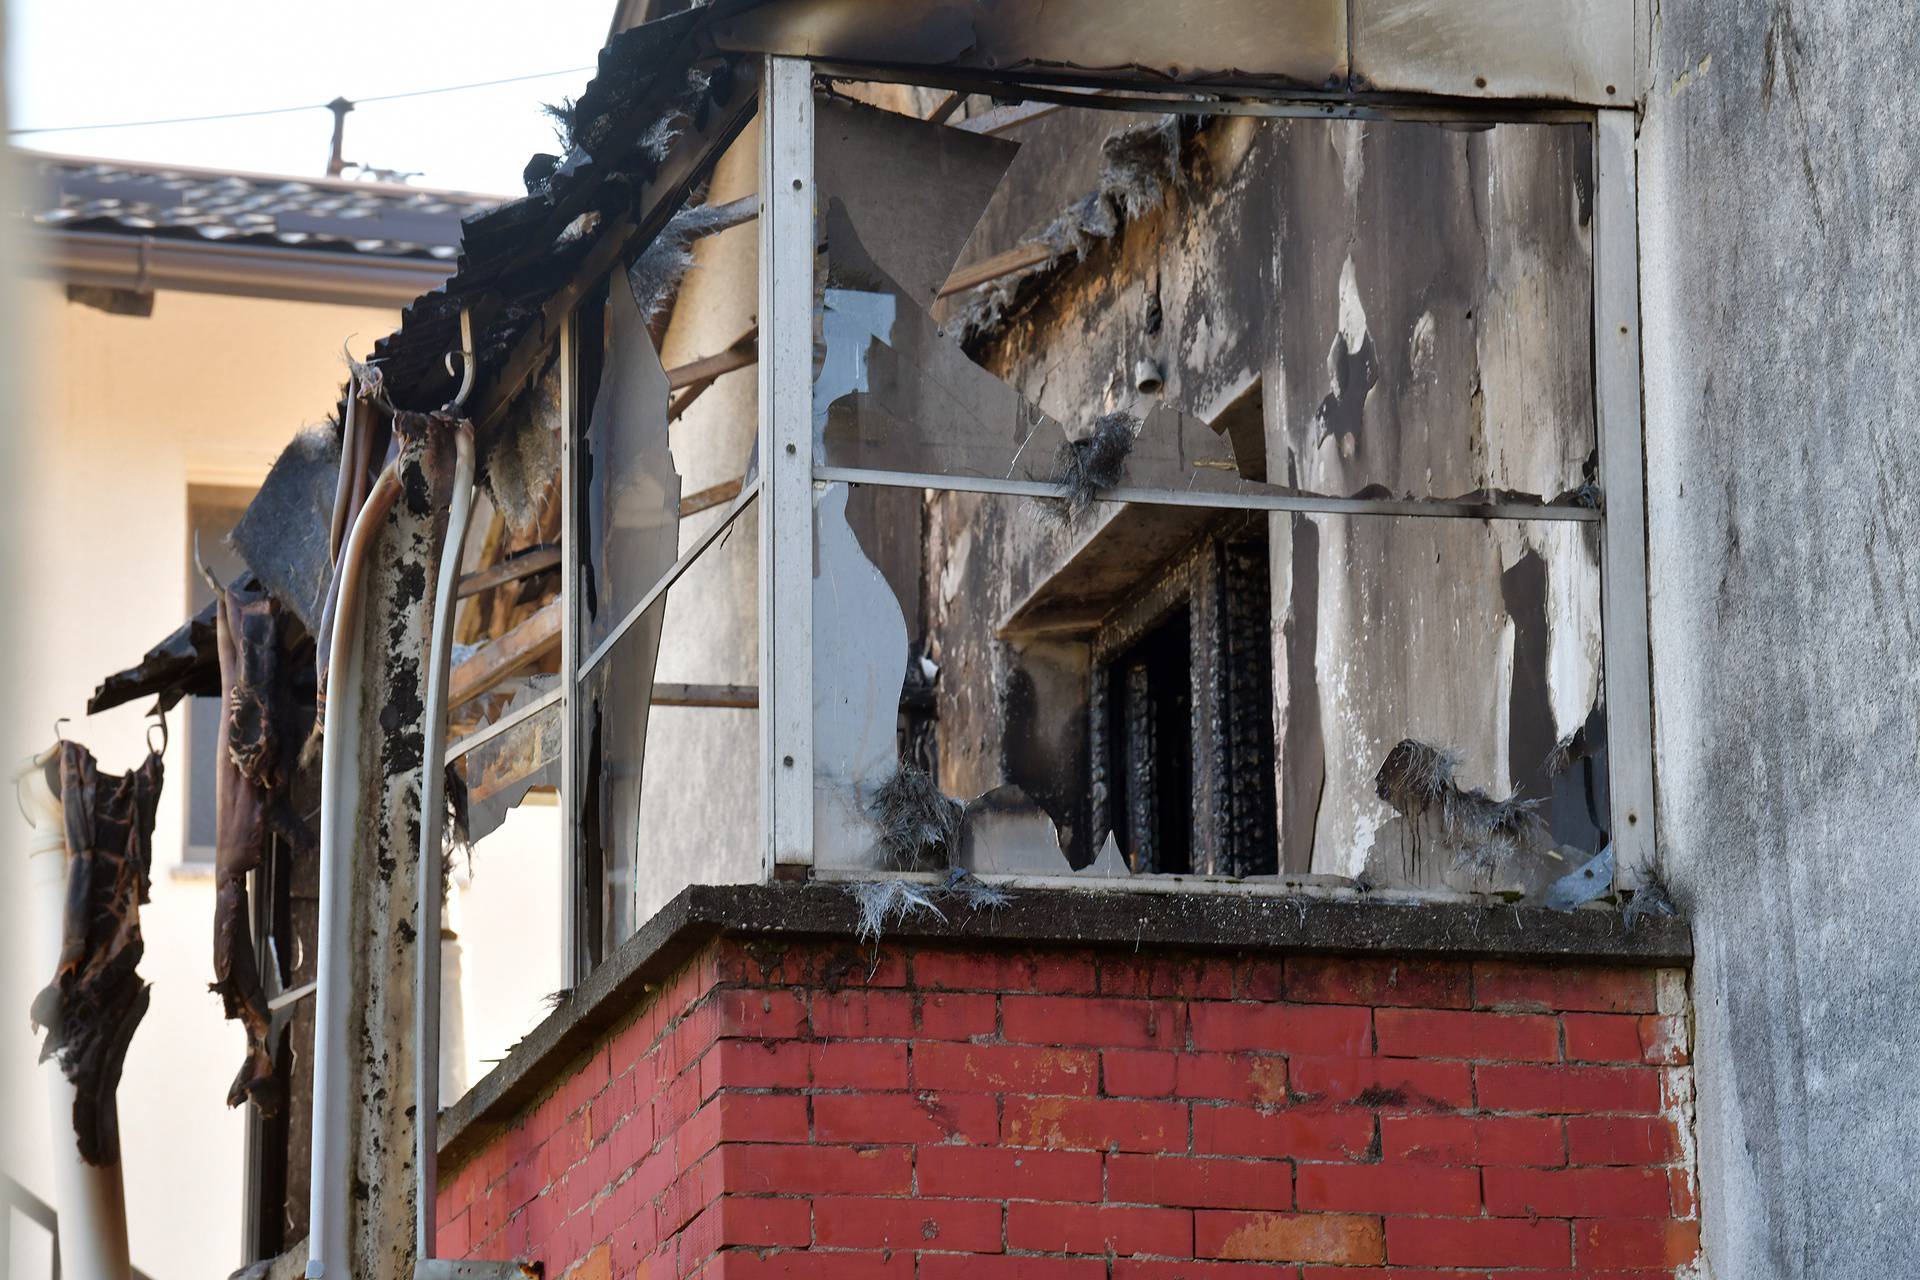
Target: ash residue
[
  {"x": 1482, "y": 833},
  {"x": 888, "y": 902},
  {"x": 1091, "y": 464},
  {"x": 1142, "y": 165},
  {"x": 657, "y": 273},
  {"x": 1651, "y": 899},
  {"x": 919, "y": 824}
]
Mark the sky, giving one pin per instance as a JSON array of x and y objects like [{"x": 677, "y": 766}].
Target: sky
[{"x": 75, "y": 62}]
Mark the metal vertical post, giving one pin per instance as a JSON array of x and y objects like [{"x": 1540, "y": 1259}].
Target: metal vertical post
[
  {"x": 572, "y": 965},
  {"x": 1623, "y": 560},
  {"x": 786, "y": 460}
]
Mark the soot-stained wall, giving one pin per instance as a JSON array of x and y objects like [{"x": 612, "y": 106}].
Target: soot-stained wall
[
  {"x": 1782, "y": 311},
  {"x": 1402, "y": 310}
]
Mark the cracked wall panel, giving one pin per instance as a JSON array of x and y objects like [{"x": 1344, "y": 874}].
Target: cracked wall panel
[
  {"x": 895, "y": 393},
  {"x": 859, "y": 668},
  {"x": 1295, "y": 42},
  {"x": 1433, "y": 308},
  {"x": 913, "y": 190},
  {"x": 500, "y": 772},
  {"x": 1407, "y": 307},
  {"x": 631, "y": 518},
  {"x": 714, "y": 635},
  {"x": 707, "y": 833},
  {"x": 1572, "y": 50},
  {"x": 630, "y": 487},
  {"x": 1059, "y": 160},
  {"x": 1414, "y": 638},
  {"x": 648, "y": 833}
]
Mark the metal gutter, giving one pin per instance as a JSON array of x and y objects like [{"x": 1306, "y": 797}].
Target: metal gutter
[{"x": 146, "y": 264}]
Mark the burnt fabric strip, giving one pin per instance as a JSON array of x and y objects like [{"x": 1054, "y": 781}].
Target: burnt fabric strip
[
  {"x": 96, "y": 999},
  {"x": 250, "y": 773}
]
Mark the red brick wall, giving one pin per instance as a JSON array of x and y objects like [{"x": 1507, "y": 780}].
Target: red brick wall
[{"x": 972, "y": 1114}]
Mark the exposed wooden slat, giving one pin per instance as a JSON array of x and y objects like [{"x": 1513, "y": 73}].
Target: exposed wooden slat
[
  {"x": 742, "y": 354},
  {"x": 529, "y": 642},
  {"x": 743, "y": 696},
  {"x": 1018, "y": 258},
  {"x": 521, "y": 566},
  {"x": 707, "y": 499}
]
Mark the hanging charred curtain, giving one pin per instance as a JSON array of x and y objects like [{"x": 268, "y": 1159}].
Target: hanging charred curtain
[
  {"x": 266, "y": 711},
  {"x": 97, "y": 998}
]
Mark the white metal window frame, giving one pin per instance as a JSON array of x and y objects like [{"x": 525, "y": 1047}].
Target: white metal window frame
[{"x": 789, "y": 473}]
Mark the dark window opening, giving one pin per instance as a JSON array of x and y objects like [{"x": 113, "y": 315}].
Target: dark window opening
[
  {"x": 1183, "y": 767},
  {"x": 1150, "y": 691}
]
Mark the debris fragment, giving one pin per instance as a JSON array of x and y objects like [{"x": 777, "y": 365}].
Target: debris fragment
[
  {"x": 1583, "y": 884},
  {"x": 1650, "y": 899},
  {"x": 918, "y": 823},
  {"x": 1095, "y": 462},
  {"x": 656, "y": 274},
  {"x": 979, "y": 895},
  {"x": 1417, "y": 779},
  {"x": 1142, "y": 165},
  {"x": 252, "y": 767},
  {"x": 96, "y": 999},
  {"x": 889, "y": 902}
]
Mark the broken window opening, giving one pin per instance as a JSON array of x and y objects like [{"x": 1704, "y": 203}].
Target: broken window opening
[
  {"x": 1428, "y": 353},
  {"x": 505, "y": 863},
  {"x": 1288, "y": 308}
]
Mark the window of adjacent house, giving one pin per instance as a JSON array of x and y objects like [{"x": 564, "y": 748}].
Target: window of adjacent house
[{"x": 212, "y": 512}]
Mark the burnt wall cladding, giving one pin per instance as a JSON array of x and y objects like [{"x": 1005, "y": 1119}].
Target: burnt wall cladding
[
  {"x": 1460, "y": 264},
  {"x": 827, "y": 1110}
]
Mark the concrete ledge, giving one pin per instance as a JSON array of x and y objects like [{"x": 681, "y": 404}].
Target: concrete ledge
[{"x": 1039, "y": 917}]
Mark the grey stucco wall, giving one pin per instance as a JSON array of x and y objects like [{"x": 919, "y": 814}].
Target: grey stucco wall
[{"x": 1780, "y": 233}]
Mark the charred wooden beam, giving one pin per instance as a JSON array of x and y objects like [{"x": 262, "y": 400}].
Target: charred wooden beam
[
  {"x": 527, "y": 643},
  {"x": 525, "y": 565},
  {"x": 743, "y": 696},
  {"x": 706, "y": 499},
  {"x": 744, "y": 353}
]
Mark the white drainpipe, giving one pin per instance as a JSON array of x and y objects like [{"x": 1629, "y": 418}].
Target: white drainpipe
[
  {"x": 327, "y": 1230},
  {"x": 89, "y": 1199}
]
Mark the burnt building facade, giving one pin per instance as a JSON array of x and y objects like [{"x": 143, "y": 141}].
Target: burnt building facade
[{"x": 1125, "y": 746}]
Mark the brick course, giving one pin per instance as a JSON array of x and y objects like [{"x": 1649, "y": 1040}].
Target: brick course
[{"x": 812, "y": 1109}]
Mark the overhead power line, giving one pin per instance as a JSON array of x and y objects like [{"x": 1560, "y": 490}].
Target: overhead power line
[{"x": 309, "y": 106}]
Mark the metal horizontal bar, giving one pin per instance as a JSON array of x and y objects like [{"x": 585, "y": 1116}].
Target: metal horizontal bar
[
  {"x": 293, "y": 997},
  {"x": 1246, "y": 101},
  {"x": 1432, "y": 508},
  {"x": 671, "y": 576},
  {"x": 517, "y": 717},
  {"x": 1331, "y": 888}
]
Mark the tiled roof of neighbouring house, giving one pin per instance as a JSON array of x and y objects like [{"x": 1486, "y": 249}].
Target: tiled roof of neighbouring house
[{"x": 326, "y": 214}]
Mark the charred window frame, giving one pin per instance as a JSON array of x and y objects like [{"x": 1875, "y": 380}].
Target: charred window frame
[
  {"x": 1180, "y": 710},
  {"x": 794, "y": 479}
]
